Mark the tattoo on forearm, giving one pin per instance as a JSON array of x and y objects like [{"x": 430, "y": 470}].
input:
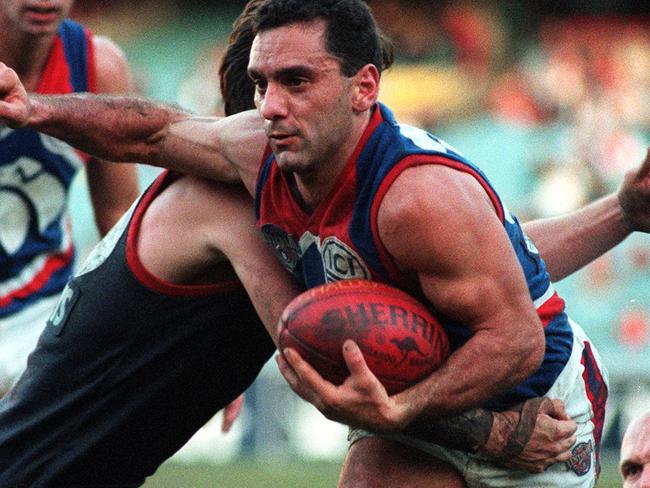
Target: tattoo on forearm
[{"x": 467, "y": 431}]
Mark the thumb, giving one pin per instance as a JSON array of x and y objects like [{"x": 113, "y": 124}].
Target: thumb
[
  {"x": 645, "y": 167},
  {"x": 231, "y": 412}
]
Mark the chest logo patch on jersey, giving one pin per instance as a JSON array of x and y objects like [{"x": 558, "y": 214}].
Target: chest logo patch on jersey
[
  {"x": 285, "y": 247},
  {"x": 341, "y": 262}
]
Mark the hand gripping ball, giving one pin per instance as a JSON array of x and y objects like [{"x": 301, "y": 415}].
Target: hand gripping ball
[{"x": 400, "y": 339}]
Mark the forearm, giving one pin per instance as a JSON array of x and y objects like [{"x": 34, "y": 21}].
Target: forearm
[
  {"x": 112, "y": 128},
  {"x": 569, "y": 242},
  {"x": 488, "y": 364},
  {"x": 531, "y": 436},
  {"x": 467, "y": 431},
  {"x": 134, "y": 129}
]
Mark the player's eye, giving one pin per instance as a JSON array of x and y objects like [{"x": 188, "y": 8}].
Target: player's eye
[
  {"x": 296, "y": 81},
  {"x": 260, "y": 84},
  {"x": 630, "y": 470}
]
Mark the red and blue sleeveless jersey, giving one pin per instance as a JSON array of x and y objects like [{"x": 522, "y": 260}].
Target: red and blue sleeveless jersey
[
  {"x": 36, "y": 252},
  {"x": 339, "y": 239}
]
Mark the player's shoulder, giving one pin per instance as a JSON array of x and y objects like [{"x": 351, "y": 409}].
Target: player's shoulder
[
  {"x": 242, "y": 141},
  {"x": 111, "y": 67},
  {"x": 423, "y": 185},
  {"x": 429, "y": 195}
]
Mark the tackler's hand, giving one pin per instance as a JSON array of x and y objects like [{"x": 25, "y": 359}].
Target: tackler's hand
[
  {"x": 532, "y": 439},
  {"x": 14, "y": 102},
  {"x": 231, "y": 412},
  {"x": 634, "y": 197},
  {"x": 361, "y": 401}
]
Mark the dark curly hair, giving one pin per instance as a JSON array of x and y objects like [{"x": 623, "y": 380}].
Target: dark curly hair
[{"x": 237, "y": 89}]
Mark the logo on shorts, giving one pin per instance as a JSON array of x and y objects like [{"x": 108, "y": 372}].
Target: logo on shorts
[{"x": 580, "y": 460}]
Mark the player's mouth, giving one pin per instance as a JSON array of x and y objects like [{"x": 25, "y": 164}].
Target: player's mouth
[
  {"x": 281, "y": 139},
  {"x": 43, "y": 15}
]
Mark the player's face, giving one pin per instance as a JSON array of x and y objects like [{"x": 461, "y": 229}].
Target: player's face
[
  {"x": 635, "y": 455},
  {"x": 34, "y": 17},
  {"x": 302, "y": 95}
]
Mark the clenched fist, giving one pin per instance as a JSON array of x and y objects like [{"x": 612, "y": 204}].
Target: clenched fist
[{"x": 14, "y": 102}]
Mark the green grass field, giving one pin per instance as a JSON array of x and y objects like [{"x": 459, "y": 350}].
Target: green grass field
[{"x": 250, "y": 474}]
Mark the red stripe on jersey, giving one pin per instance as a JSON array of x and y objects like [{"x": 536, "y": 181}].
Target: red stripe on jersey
[
  {"x": 409, "y": 162},
  {"x": 550, "y": 309},
  {"x": 597, "y": 393},
  {"x": 53, "y": 264},
  {"x": 142, "y": 274}
]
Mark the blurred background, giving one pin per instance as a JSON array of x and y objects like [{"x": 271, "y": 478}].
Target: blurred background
[{"x": 550, "y": 98}]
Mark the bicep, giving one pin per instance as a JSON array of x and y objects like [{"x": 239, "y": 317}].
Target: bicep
[{"x": 447, "y": 233}]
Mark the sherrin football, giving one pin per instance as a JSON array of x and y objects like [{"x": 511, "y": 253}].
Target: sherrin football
[{"x": 401, "y": 341}]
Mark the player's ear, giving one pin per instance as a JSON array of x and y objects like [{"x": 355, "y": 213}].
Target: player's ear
[{"x": 365, "y": 88}]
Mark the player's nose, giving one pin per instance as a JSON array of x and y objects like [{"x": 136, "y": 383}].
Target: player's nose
[{"x": 274, "y": 104}]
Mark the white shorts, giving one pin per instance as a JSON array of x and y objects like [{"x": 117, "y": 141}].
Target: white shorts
[
  {"x": 582, "y": 386},
  {"x": 19, "y": 334}
]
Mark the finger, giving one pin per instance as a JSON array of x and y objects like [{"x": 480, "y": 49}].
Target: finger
[
  {"x": 310, "y": 380},
  {"x": 354, "y": 359},
  {"x": 231, "y": 412},
  {"x": 555, "y": 408},
  {"x": 287, "y": 372},
  {"x": 564, "y": 429},
  {"x": 564, "y": 456},
  {"x": 645, "y": 167}
]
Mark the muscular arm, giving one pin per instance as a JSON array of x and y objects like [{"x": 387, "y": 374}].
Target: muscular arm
[
  {"x": 448, "y": 253},
  {"x": 135, "y": 129},
  {"x": 112, "y": 187},
  {"x": 440, "y": 227},
  {"x": 569, "y": 242},
  {"x": 467, "y": 269}
]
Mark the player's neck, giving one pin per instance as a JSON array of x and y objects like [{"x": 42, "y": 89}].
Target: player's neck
[
  {"x": 310, "y": 188},
  {"x": 25, "y": 54}
]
